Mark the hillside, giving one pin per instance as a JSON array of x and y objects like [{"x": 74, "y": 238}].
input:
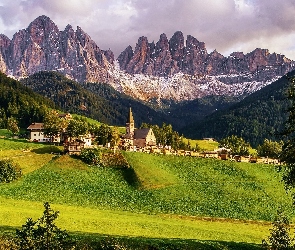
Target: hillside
[
  {"x": 197, "y": 201},
  {"x": 260, "y": 115},
  {"x": 21, "y": 103},
  {"x": 94, "y": 100}
]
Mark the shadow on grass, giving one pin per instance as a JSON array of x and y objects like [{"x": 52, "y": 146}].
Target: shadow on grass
[
  {"x": 95, "y": 240},
  {"x": 7, "y": 230},
  {"x": 48, "y": 150},
  {"x": 131, "y": 177},
  {"x": 100, "y": 241}
]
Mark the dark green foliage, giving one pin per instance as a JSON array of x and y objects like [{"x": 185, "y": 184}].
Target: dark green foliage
[
  {"x": 288, "y": 155},
  {"x": 42, "y": 233},
  {"x": 115, "y": 160},
  {"x": 91, "y": 156},
  {"x": 103, "y": 134},
  {"x": 52, "y": 124},
  {"x": 77, "y": 126},
  {"x": 7, "y": 242},
  {"x": 280, "y": 237},
  {"x": 12, "y": 125},
  {"x": 94, "y": 100},
  {"x": 236, "y": 144},
  {"x": 187, "y": 112},
  {"x": 21, "y": 103},
  {"x": 103, "y": 158},
  {"x": 270, "y": 148},
  {"x": 259, "y": 116},
  {"x": 166, "y": 136},
  {"x": 9, "y": 171}
]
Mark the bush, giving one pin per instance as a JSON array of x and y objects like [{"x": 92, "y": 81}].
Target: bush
[
  {"x": 116, "y": 160},
  {"x": 43, "y": 233},
  {"x": 280, "y": 236},
  {"x": 9, "y": 171},
  {"x": 91, "y": 156},
  {"x": 7, "y": 243}
]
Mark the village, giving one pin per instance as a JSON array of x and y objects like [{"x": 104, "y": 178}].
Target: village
[{"x": 134, "y": 140}]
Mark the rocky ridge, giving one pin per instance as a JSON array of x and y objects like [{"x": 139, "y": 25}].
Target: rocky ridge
[
  {"x": 168, "y": 57},
  {"x": 42, "y": 47},
  {"x": 170, "y": 69}
]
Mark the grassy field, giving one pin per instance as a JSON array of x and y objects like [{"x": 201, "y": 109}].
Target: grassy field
[
  {"x": 161, "y": 197},
  {"x": 203, "y": 144},
  {"x": 123, "y": 223}
]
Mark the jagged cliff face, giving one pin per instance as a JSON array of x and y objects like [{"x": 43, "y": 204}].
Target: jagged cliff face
[
  {"x": 172, "y": 69},
  {"x": 43, "y": 47},
  {"x": 172, "y": 56}
]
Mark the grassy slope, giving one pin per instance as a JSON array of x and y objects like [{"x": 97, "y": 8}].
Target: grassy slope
[
  {"x": 109, "y": 222},
  {"x": 136, "y": 202}
]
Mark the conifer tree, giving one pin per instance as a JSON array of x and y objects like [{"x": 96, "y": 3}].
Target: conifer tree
[{"x": 288, "y": 150}]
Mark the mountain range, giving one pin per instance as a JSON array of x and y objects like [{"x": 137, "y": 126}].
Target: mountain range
[
  {"x": 170, "y": 70},
  {"x": 174, "y": 80}
]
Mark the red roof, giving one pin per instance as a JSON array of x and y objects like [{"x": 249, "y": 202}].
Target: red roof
[{"x": 36, "y": 125}]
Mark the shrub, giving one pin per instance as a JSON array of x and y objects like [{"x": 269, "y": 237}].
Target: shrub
[
  {"x": 7, "y": 243},
  {"x": 280, "y": 237},
  {"x": 43, "y": 233},
  {"x": 9, "y": 171},
  {"x": 91, "y": 156},
  {"x": 116, "y": 160}
]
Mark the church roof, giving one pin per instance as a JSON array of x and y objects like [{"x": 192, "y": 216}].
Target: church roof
[
  {"x": 130, "y": 117},
  {"x": 141, "y": 133}
]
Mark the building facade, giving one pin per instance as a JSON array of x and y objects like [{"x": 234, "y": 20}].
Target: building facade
[{"x": 138, "y": 137}]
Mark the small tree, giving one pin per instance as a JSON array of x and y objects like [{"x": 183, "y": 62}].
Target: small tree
[
  {"x": 104, "y": 134},
  {"x": 12, "y": 125},
  {"x": 53, "y": 125},
  {"x": 236, "y": 144},
  {"x": 115, "y": 137},
  {"x": 279, "y": 235},
  {"x": 42, "y": 233},
  {"x": 77, "y": 126},
  {"x": 270, "y": 148},
  {"x": 91, "y": 156},
  {"x": 9, "y": 171}
]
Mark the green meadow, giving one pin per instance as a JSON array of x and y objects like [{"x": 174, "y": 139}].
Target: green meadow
[{"x": 211, "y": 202}]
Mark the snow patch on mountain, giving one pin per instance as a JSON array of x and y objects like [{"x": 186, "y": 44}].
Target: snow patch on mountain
[{"x": 180, "y": 86}]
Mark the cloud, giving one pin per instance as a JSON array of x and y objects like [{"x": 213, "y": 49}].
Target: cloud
[{"x": 225, "y": 25}]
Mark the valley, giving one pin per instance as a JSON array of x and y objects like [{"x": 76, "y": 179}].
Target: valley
[
  {"x": 178, "y": 91},
  {"x": 194, "y": 200}
]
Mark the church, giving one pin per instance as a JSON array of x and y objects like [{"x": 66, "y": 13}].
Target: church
[{"x": 138, "y": 137}]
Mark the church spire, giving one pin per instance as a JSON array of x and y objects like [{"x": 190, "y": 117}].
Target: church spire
[
  {"x": 130, "y": 117},
  {"x": 130, "y": 124}
]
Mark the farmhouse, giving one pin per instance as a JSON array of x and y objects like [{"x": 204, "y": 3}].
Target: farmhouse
[
  {"x": 37, "y": 133},
  {"x": 138, "y": 137},
  {"x": 74, "y": 147}
]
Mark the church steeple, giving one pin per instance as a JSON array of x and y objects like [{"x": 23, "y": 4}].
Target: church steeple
[
  {"x": 130, "y": 117},
  {"x": 130, "y": 124}
]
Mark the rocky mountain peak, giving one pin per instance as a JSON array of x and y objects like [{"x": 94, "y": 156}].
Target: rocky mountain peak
[
  {"x": 42, "y": 46},
  {"x": 191, "y": 57},
  {"x": 4, "y": 41}
]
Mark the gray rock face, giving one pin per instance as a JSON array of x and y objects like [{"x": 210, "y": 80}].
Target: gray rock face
[
  {"x": 168, "y": 57},
  {"x": 43, "y": 47}
]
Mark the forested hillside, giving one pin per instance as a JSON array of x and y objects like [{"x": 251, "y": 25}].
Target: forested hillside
[
  {"x": 188, "y": 112},
  {"x": 259, "y": 116},
  {"x": 20, "y": 103},
  {"x": 95, "y": 100}
]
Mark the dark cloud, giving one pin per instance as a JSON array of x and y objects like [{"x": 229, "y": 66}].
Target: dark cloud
[{"x": 225, "y": 25}]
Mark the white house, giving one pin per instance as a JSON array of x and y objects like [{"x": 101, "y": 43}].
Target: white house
[{"x": 37, "y": 133}]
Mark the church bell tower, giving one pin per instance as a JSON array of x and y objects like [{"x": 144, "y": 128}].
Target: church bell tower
[{"x": 130, "y": 124}]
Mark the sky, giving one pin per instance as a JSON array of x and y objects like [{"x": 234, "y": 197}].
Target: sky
[{"x": 224, "y": 25}]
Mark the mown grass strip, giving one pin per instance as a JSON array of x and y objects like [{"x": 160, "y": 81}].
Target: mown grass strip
[{"x": 13, "y": 213}]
